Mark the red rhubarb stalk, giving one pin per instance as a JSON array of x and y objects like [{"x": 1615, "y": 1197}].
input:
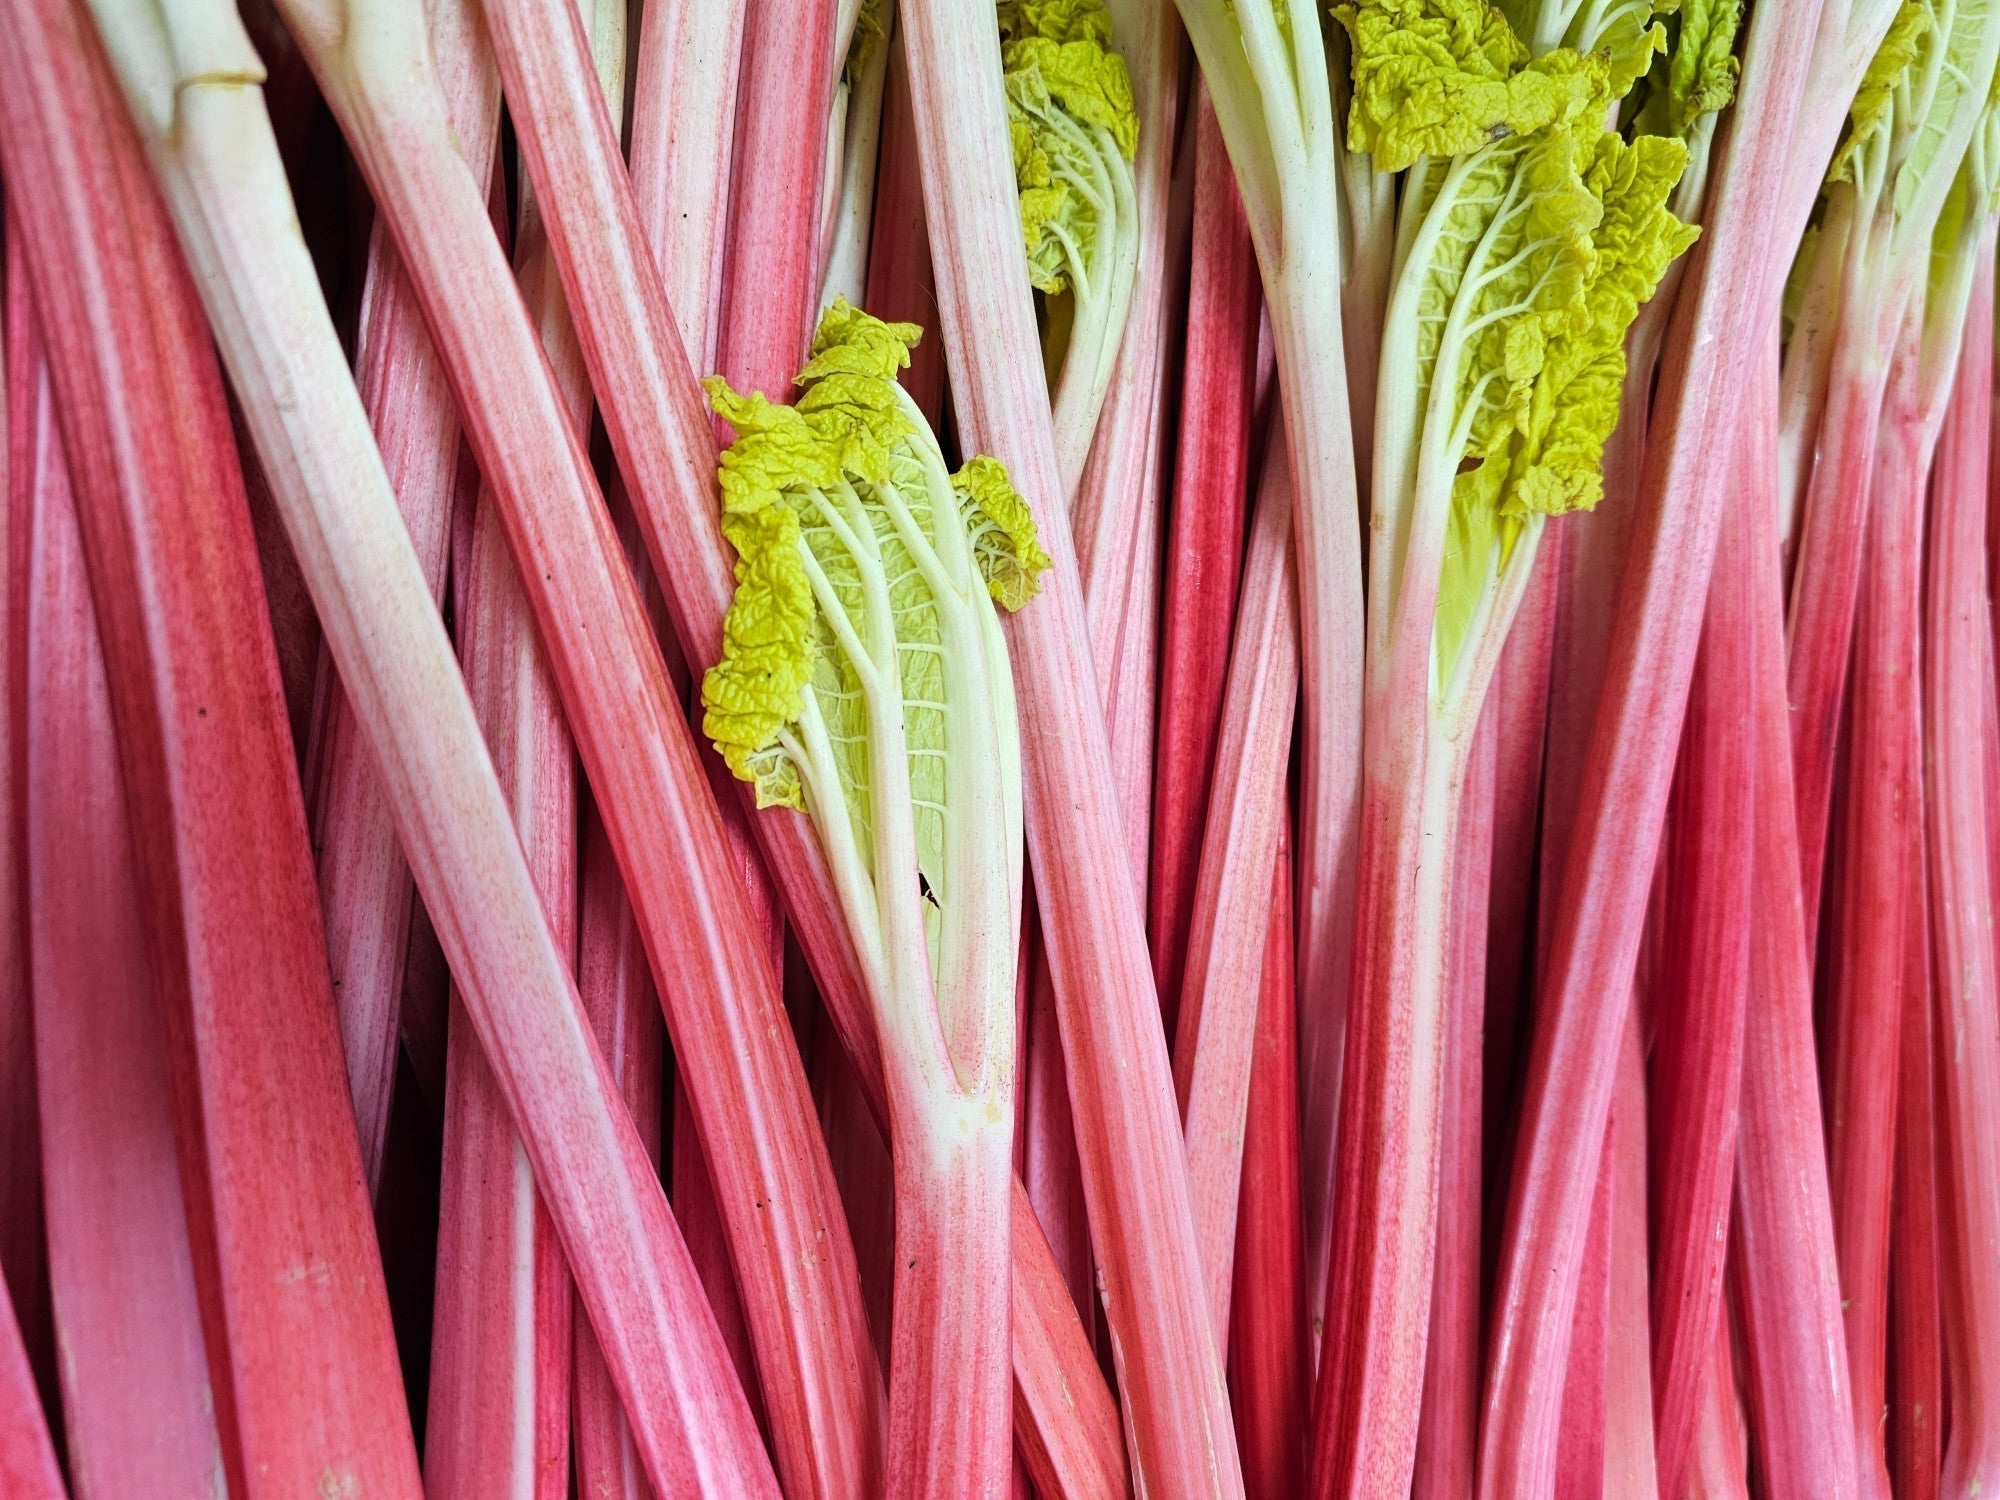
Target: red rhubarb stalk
[
  {"x": 27, "y": 1458},
  {"x": 1214, "y": 1049},
  {"x": 1604, "y": 891},
  {"x": 1718, "y": 1466},
  {"x": 899, "y": 248},
  {"x": 302, "y": 1360},
  {"x": 1128, "y": 1130},
  {"x": 23, "y": 1245},
  {"x": 135, "y": 1372},
  {"x": 1916, "y": 1344},
  {"x": 1631, "y": 1463},
  {"x": 1783, "y": 1255},
  {"x": 1968, "y": 996},
  {"x": 1269, "y": 1379},
  {"x": 1700, "y": 1001},
  {"x": 1204, "y": 543}
]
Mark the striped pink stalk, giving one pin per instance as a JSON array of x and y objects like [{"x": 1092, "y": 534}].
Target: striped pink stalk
[
  {"x": 1881, "y": 893},
  {"x": 1585, "y": 1413},
  {"x": 1067, "y": 1433},
  {"x": 364, "y": 882},
  {"x": 135, "y": 1371},
  {"x": 730, "y": 1036},
  {"x": 1967, "y": 992},
  {"x": 1603, "y": 896},
  {"x": 1205, "y": 542},
  {"x": 683, "y": 134},
  {"x": 23, "y": 1245},
  {"x": 302, "y": 1360},
  {"x": 501, "y": 1357},
  {"x": 1127, "y": 1126},
  {"x": 1917, "y": 1339},
  {"x": 27, "y": 1458},
  {"x": 1447, "y": 1434},
  {"x": 1216, "y": 1042},
  {"x": 1719, "y": 1463},
  {"x": 617, "y": 993},
  {"x": 212, "y": 149},
  {"x": 1269, "y": 1377},
  {"x": 1784, "y": 1260},
  {"x": 900, "y": 288},
  {"x": 1051, "y": 1168},
  {"x": 1700, "y": 1002},
  {"x": 1631, "y": 1464}
]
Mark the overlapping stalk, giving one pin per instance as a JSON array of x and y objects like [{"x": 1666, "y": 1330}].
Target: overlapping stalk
[
  {"x": 302, "y": 1367},
  {"x": 1128, "y": 1132},
  {"x": 120, "y": 1268},
  {"x": 27, "y": 1458},
  {"x": 1968, "y": 1022},
  {"x": 1601, "y": 899},
  {"x": 1274, "y": 102},
  {"x": 745, "y": 1080},
  {"x": 364, "y": 882},
  {"x": 501, "y": 1341}
]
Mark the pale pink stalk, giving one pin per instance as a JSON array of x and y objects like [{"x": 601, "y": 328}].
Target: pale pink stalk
[
  {"x": 1962, "y": 904},
  {"x": 729, "y": 1030},
  {"x": 135, "y": 1371},
  {"x": 1783, "y": 1255},
  {"x": 1580, "y": 1454},
  {"x": 617, "y": 993},
  {"x": 1215, "y": 1045},
  {"x": 1630, "y": 1458},
  {"x": 364, "y": 883},
  {"x": 1447, "y": 1446},
  {"x": 1623, "y": 791},
  {"x": 27, "y": 1458},
  {"x": 301, "y": 1355},
  {"x": 1204, "y": 544},
  {"x": 501, "y": 1359},
  {"x": 211, "y": 148},
  {"x": 1068, "y": 1433},
  {"x": 1700, "y": 1002},
  {"x": 1050, "y": 1167},
  {"x": 1128, "y": 1130}
]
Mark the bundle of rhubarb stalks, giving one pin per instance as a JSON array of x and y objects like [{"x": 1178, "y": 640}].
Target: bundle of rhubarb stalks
[{"x": 1058, "y": 748}]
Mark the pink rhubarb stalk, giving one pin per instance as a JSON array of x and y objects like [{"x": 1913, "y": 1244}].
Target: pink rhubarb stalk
[
  {"x": 302, "y": 1360},
  {"x": 1215, "y": 1047},
  {"x": 1128, "y": 1129},
  {"x": 1269, "y": 1379},
  {"x": 135, "y": 1371},
  {"x": 1968, "y": 994},
  {"x": 1700, "y": 1001},
  {"x": 1631, "y": 1464},
  {"x": 1447, "y": 1437},
  {"x": 1783, "y": 1256},
  {"x": 731, "y": 1038},
  {"x": 1603, "y": 895},
  {"x": 1205, "y": 533},
  {"x": 27, "y": 1458},
  {"x": 211, "y": 148},
  {"x": 364, "y": 882},
  {"x": 617, "y": 993},
  {"x": 501, "y": 1360},
  {"x": 899, "y": 249}
]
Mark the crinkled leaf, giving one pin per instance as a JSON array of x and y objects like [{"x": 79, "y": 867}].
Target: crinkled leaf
[
  {"x": 1002, "y": 529},
  {"x": 1445, "y": 77},
  {"x": 768, "y": 652}
]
